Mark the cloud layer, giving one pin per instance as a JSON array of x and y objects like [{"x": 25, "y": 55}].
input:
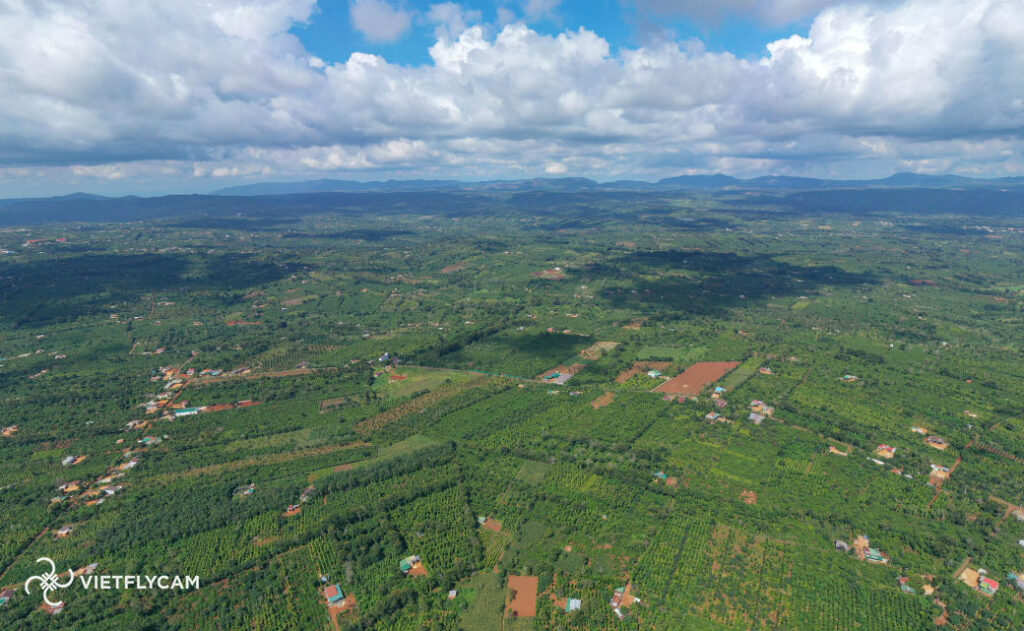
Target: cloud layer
[{"x": 205, "y": 88}]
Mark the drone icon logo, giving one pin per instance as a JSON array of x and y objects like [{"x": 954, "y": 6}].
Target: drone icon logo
[{"x": 49, "y": 581}]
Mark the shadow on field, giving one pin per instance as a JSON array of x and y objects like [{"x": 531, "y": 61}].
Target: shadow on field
[
  {"x": 56, "y": 290},
  {"x": 710, "y": 283},
  {"x": 366, "y": 234}
]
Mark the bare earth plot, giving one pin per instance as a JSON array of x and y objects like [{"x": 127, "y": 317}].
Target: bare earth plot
[
  {"x": 522, "y": 592},
  {"x": 603, "y": 400},
  {"x": 550, "y": 274},
  {"x": 696, "y": 377}
]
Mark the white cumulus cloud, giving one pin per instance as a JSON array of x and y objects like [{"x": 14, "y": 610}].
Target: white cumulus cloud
[
  {"x": 220, "y": 88},
  {"x": 539, "y": 9},
  {"x": 451, "y": 19},
  {"x": 770, "y": 11},
  {"x": 378, "y": 20}
]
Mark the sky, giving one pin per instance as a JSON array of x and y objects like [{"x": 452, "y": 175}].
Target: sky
[{"x": 126, "y": 97}]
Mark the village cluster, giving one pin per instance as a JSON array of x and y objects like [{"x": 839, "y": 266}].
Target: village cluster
[
  {"x": 85, "y": 493},
  {"x": 175, "y": 380}
]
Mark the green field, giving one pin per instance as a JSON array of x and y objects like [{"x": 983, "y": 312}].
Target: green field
[
  {"x": 744, "y": 371},
  {"x": 418, "y": 380},
  {"x": 485, "y": 602},
  {"x": 669, "y": 353}
]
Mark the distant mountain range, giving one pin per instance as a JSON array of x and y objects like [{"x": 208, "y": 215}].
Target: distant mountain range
[
  {"x": 72, "y": 197},
  {"x": 717, "y": 182},
  {"x": 264, "y": 204}
]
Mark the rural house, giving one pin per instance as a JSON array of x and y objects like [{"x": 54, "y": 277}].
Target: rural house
[
  {"x": 885, "y": 451},
  {"x": 334, "y": 594}
]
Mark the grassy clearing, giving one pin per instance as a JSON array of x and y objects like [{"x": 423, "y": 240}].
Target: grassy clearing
[
  {"x": 403, "y": 447},
  {"x": 486, "y": 600},
  {"x": 419, "y": 379},
  {"x": 670, "y": 353},
  {"x": 533, "y": 472},
  {"x": 745, "y": 371}
]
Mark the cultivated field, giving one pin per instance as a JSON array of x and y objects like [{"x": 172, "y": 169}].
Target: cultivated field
[{"x": 695, "y": 378}]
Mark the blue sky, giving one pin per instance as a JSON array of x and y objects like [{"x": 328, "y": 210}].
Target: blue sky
[
  {"x": 126, "y": 97},
  {"x": 330, "y": 35}
]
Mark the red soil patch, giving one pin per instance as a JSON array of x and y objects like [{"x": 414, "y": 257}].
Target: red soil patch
[
  {"x": 293, "y": 512},
  {"x": 522, "y": 596},
  {"x": 399, "y": 377},
  {"x": 694, "y": 378},
  {"x": 418, "y": 569},
  {"x": 343, "y": 467},
  {"x": 492, "y": 524},
  {"x": 672, "y": 482},
  {"x": 218, "y": 407},
  {"x": 448, "y": 269},
  {"x": 603, "y": 400},
  {"x": 549, "y": 274},
  {"x": 345, "y": 605},
  {"x": 921, "y": 281},
  {"x": 749, "y": 497},
  {"x": 335, "y": 610},
  {"x": 639, "y": 367},
  {"x": 627, "y": 597}
]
